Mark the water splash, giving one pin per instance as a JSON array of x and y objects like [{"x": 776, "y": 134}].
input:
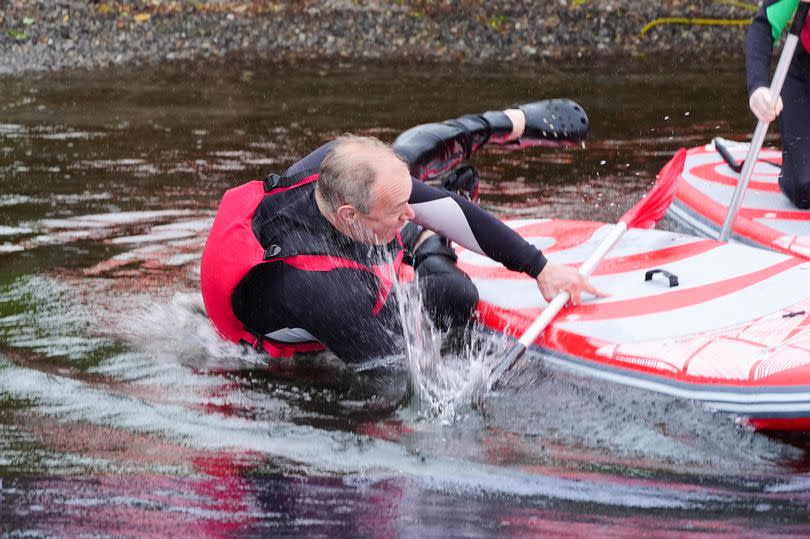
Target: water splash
[
  {"x": 446, "y": 379},
  {"x": 179, "y": 331}
]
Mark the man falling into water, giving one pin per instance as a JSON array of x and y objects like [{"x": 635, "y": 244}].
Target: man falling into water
[{"x": 307, "y": 260}]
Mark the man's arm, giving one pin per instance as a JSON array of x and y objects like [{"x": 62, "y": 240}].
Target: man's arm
[
  {"x": 463, "y": 222},
  {"x": 758, "y": 49}
]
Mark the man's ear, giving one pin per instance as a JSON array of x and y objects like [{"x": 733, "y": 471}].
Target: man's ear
[{"x": 347, "y": 213}]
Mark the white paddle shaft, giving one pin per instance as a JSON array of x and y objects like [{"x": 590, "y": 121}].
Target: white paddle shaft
[{"x": 562, "y": 297}]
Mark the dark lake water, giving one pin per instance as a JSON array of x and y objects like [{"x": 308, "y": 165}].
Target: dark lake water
[{"x": 122, "y": 414}]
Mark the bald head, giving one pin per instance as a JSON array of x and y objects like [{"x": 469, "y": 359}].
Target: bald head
[
  {"x": 349, "y": 170},
  {"x": 364, "y": 188}
]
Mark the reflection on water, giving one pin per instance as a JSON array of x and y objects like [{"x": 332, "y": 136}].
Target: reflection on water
[{"x": 122, "y": 413}]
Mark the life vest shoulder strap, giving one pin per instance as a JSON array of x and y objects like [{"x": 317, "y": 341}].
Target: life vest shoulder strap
[{"x": 274, "y": 183}]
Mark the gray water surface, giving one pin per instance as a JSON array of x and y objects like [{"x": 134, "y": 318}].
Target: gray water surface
[{"x": 122, "y": 414}]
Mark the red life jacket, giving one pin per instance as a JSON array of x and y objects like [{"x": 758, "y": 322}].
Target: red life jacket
[
  {"x": 805, "y": 35},
  {"x": 232, "y": 250}
]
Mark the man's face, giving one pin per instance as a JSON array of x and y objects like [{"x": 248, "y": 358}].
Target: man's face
[{"x": 389, "y": 202}]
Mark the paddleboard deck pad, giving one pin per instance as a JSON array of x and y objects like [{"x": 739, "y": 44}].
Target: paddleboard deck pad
[
  {"x": 725, "y": 324},
  {"x": 767, "y": 218}
]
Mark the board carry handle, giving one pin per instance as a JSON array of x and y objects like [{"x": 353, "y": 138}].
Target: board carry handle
[
  {"x": 727, "y": 157},
  {"x": 673, "y": 279},
  {"x": 731, "y": 162}
]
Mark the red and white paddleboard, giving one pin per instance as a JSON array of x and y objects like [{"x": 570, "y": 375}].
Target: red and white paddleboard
[
  {"x": 766, "y": 219},
  {"x": 726, "y": 324}
]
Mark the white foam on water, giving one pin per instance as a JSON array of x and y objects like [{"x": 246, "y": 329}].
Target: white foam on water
[
  {"x": 232, "y": 153},
  {"x": 228, "y": 166},
  {"x": 113, "y": 219},
  {"x": 14, "y": 230},
  {"x": 799, "y": 483},
  {"x": 179, "y": 332},
  {"x": 72, "y": 135},
  {"x": 112, "y": 163},
  {"x": 12, "y": 129},
  {"x": 323, "y": 451},
  {"x": 10, "y": 248},
  {"x": 155, "y": 236},
  {"x": 261, "y": 161},
  {"x": 15, "y": 200},
  {"x": 43, "y": 319},
  {"x": 58, "y": 346},
  {"x": 180, "y": 259},
  {"x": 74, "y": 198}
]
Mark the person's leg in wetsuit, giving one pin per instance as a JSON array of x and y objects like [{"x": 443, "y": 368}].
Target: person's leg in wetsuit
[{"x": 795, "y": 126}]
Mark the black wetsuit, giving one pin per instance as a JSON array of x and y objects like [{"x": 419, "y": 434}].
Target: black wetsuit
[
  {"x": 795, "y": 118},
  {"x": 336, "y": 307}
]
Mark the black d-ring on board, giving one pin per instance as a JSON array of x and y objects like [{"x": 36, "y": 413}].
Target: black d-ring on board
[{"x": 673, "y": 279}]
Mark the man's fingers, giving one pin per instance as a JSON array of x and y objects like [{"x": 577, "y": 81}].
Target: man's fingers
[
  {"x": 763, "y": 107},
  {"x": 591, "y": 289},
  {"x": 764, "y": 111}
]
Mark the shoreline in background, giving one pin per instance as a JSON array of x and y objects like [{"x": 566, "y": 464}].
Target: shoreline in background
[{"x": 39, "y": 35}]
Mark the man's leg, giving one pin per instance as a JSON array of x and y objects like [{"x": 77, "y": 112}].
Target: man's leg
[{"x": 448, "y": 293}]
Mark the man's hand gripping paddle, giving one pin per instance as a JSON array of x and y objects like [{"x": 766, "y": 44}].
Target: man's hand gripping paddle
[
  {"x": 762, "y": 127},
  {"x": 645, "y": 214}
]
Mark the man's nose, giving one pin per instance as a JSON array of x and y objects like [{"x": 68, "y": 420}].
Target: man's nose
[{"x": 409, "y": 213}]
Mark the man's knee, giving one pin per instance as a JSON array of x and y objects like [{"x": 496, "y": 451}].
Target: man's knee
[
  {"x": 802, "y": 195},
  {"x": 450, "y": 296},
  {"x": 449, "y": 299},
  {"x": 434, "y": 256},
  {"x": 797, "y": 189},
  {"x": 795, "y": 177}
]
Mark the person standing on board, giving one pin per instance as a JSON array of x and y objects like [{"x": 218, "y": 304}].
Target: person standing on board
[
  {"x": 306, "y": 260},
  {"x": 765, "y": 29}
]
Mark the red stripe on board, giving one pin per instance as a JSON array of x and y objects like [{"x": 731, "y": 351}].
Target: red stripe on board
[
  {"x": 709, "y": 173},
  {"x": 566, "y": 234},
  {"x": 744, "y": 225},
  {"x": 506, "y": 321},
  {"x": 788, "y": 215},
  {"x": 678, "y": 299},
  {"x": 607, "y": 267},
  {"x": 715, "y": 212},
  {"x": 779, "y": 423},
  {"x": 499, "y": 318}
]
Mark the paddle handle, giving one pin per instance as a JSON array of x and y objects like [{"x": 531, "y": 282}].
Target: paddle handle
[{"x": 762, "y": 127}]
